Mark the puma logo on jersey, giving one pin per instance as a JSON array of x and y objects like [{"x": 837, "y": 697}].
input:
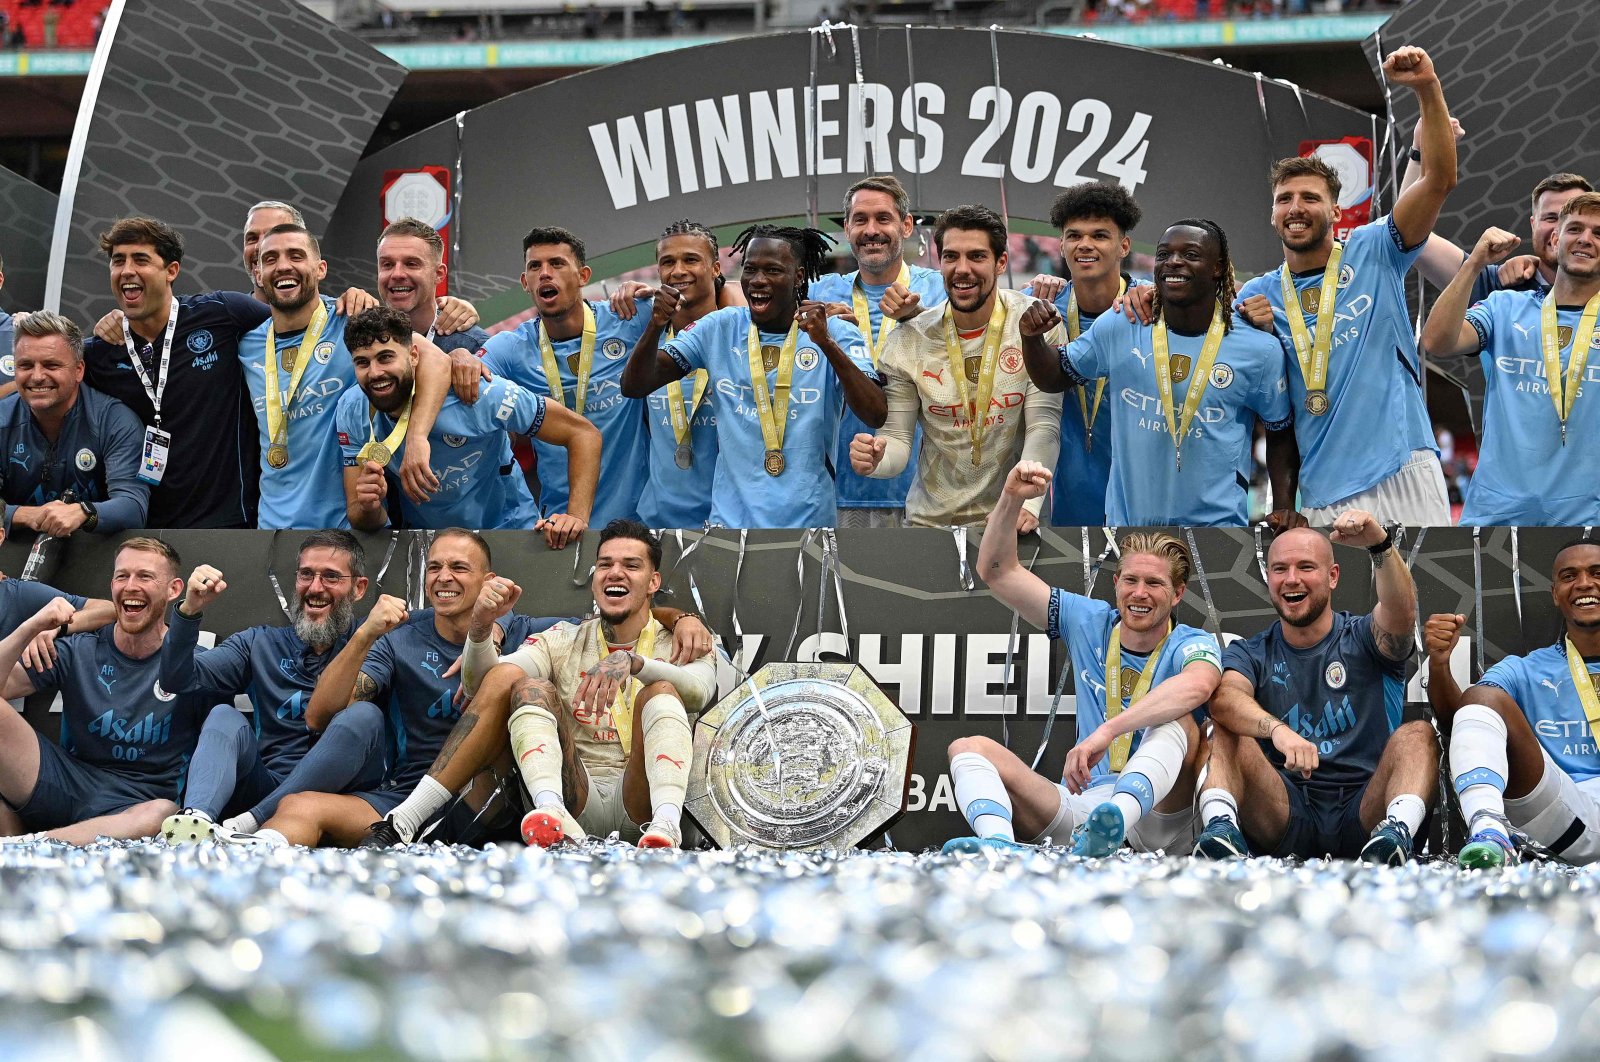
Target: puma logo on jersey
[
  {"x": 537, "y": 748},
  {"x": 935, "y": 376},
  {"x": 676, "y": 763}
]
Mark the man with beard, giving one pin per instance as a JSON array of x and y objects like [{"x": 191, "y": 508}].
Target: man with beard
[
  {"x": 1096, "y": 222},
  {"x": 1143, "y": 681},
  {"x": 1309, "y": 757},
  {"x": 296, "y": 368},
  {"x": 957, "y": 370},
  {"x": 1535, "y": 464},
  {"x": 1522, "y": 743},
  {"x": 1186, "y": 390},
  {"x": 411, "y": 267},
  {"x": 403, "y": 662},
  {"x": 599, "y": 716},
  {"x": 125, "y": 740},
  {"x": 481, "y": 486},
  {"x": 574, "y": 352},
  {"x": 783, "y": 369},
  {"x": 243, "y": 767},
  {"x": 71, "y": 453},
  {"x": 877, "y": 222},
  {"x": 682, "y": 415},
  {"x": 1362, "y": 428}
]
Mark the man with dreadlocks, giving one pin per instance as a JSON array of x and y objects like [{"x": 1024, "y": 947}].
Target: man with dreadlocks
[
  {"x": 682, "y": 416},
  {"x": 1187, "y": 391},
  {"x": 574, "y": 352},
  {"x": 783, "y": 370},
  {"x": 957, "y": 369},
  {"x": 1365, "y": 440},
  {"x": 882, "y": 292},
  {"x": 1143, "y": 681}
]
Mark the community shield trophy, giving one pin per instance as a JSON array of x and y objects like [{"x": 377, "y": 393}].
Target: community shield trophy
[{"x": 801, "y": 756}]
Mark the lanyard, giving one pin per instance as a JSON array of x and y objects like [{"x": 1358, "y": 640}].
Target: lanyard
[
  {"x": 772, "y": 407},
  {"x": 1122, "y": 744},
  {"x": 1074, "y": 330},
  {"x": 977, "y": 406},
  {"x": 1199, "y": 379},
  {"x": 552, "y": 371},
  {"x": 154, "y": 391},
  {"x": 277, "y": 400},
  {"x": 622, "y": 707},
  {"x": 1313, "y": 355}
]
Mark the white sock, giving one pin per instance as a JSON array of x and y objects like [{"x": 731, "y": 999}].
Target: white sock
[
  {"x": 1409, "y": 809},
  {"x": 536, "y": 746},
  {"x": 548, "y": 798},
  {"x": 1479, "y": 764},
  {"x": 273, "y": 836},
  {"x": 1150, "y": 772},
  {"x": 668, "y": 750},
  {"x": 977, "y": 781},
  {"x": 415, "y": 810},
  {"x": 245, "y": 823},
  {"x": 1215, "y": 802}
]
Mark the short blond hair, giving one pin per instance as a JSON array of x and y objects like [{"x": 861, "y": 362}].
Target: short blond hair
[
  {"x": 1162, "y": 545},
  {"x": 1587, "y": 203}
]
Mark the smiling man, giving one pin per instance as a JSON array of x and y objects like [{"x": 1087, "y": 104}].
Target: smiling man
[
  {"x": 243, "y": 767},
  {"x": 58, "y": 436},
  {"x": 877, "y": 222},
  {"x": 783, "y": 371},
  {"x": 1540, "y": 428},
  {"x": 125, "y": 741},
  {"x": 1184, "y": 392},
  {"x": 1523, "y": 748},
  {"x": 957, "y": 371},
  {"x": 403, "y": 661},
  {"x": 1143, "y": 681},
  {"x": 599, "y": 715},
  {"x": 1309, "y": 757},
  {"x": 480, "y": 484}
]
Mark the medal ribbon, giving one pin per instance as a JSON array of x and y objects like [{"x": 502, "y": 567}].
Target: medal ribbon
[
  {"x": 1122, "y": 744},
  {"x": 622, "y": 707},
  {"x": 1313, "y": 358},
  {"x": 552, "y": 371},
  {"x": 1075, "y": 329},
  {"x": 679, "y": 415},
  {"x": 858, "y": 301},
  {"x": 1584, "y": 685},
  {"x": 976, "y": 428},
  {"x": 156, "y": 390},
  {"x": 277, "y": 400},
  {"x": 772, "y": 407},
  {"x": 391, "y": 442},
  {"x": 1199, "y": 378},
  {"x": 1565, "y": 395}
]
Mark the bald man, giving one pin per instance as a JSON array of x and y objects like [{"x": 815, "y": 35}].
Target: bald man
[{"x": 1308, "y": 755}]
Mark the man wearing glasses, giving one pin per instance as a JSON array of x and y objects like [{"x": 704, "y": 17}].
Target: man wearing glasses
[{"x": 243, "y": 767}]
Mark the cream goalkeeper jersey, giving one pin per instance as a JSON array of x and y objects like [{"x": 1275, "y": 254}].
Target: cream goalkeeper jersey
[{"x": 1021, "y": 422}]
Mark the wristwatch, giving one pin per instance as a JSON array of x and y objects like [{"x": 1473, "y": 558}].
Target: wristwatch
[
  {"x": 1383, "y": 547},
  {"x": 91, "y": 515}
]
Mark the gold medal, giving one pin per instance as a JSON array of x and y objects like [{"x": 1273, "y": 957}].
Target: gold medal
[
  {"x": 279, "y": 401},
  {"x": 580, "y": 367},
  {"x": 684, "y": 455},
  {"x": 1116, "y": 681},
  {"x": 375, "y": 452},
  {"x": 774, "y": 463},
  {"x": 976, "y": 405},
  {"x": 277, "y": 455},
  {"x": 1564, "y": 390},
  {"x": 1316, "y": 403},
  {"x": 1313, "y": 351},
  {"x": 772, "y": 406},
  {"x": 1178, "y": 424}
]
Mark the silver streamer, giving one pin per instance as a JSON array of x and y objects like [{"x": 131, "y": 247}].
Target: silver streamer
[
  {"x": 1477, "y": 590},
  {"x": 1213, "y": 620},
  {"x": 1088, "y": 565},
  {"x": 1516, "y": 576},
  {"x": 272, "y": 577},
  {"x": 1000, "y": 126},
  {"x": 916, "y": 160},
  {"x": 577, "y": 565},
  {"x": 733, "y": 619},
  {"x": 388, "y": 556},
  {"x": 455, "y": 194},
  {"x": 1055, "y": 704},
  {"x": 1259, "y": 531},
  {"x": 800, "y": 581},
  {"x": 832, "y": 573},
  {"x": 1011, "y": 655},
  {"x": 1416, "y": 626},
  {"x": 959, "y": 533}
]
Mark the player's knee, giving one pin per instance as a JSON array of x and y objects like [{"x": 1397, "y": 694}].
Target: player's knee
[
  {"x": 1417, "y": 736},
  {"x": 362, "y": 717},
  {"x": 298, "y": 806},
  {"x": 535, "y": 691},
  {"x": 225, "y": 717},
  {"x": 975, "y": 744},
  {"x": 147, "y": 817},
  {"x": 655, "y": 689}
]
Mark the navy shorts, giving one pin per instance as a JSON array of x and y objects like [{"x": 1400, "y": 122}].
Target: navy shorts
[
  {"x": 69, "y": 790},
  {"x": 458, "y": 823},
  {"x": 1322, "y": 822}
]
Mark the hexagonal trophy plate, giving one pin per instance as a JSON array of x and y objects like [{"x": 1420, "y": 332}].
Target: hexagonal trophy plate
[{"x": 801, "y": 756}]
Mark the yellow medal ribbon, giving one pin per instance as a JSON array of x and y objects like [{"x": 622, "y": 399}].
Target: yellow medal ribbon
[
  {"x": 680, "y": 415},
  {"x": 552, "y": 371},
  {"x": 1199, "y": 379},
  {"x": 622, "y": 707},
  {"x": 772, "y": 407},
  {"x": 1122, "y": 744},
  {"x": 1074, "y": 330},
  {"x": 1313, "y": 356},
  {"x": 858, "y": 301},
  {"x": 977, "y": 406},
  {"x": 1565, "y": 395},
  {"x": 381, "y": 452},
  {"x": 278, "y": 402}
]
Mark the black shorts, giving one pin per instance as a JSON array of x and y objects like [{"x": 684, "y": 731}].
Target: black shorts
[
  {"x": 69, "y": 790},
  {"x": 1322, "y": 821},
  {"x": 459, "y": 822}
]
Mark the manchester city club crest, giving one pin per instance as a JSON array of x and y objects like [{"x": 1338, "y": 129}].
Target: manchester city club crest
[
  {"x": 8, "y": 365},
  {"x": 806, "y": 359},
  {"x": 1221, "y": 376},
  {"x": 323, "y": 352},
  {"x": 85, "y": 459},
  {"x": 613, "y": 349},
  {"x": 199, "y": 341},
  {"x": 161, "y": 694},
  {"x": 455, "y": 440},
  {"x": 1335, "y": 675}
]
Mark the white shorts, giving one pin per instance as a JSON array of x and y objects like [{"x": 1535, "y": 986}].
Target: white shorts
[
  {"x": 1414, "y": 496},
  {"x": 603, "y": 813},
  {"x": 1173, "y": 831},
  {"x": 1561, "y": 814}
]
